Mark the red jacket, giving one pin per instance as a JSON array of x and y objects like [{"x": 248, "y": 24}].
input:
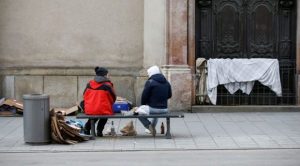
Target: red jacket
[{"x": 99, "y": 98}]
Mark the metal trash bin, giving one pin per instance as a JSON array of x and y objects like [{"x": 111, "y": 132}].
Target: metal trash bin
[{"x": 36, "y": 118}]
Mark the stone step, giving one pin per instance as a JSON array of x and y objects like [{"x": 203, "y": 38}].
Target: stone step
[{"x": 248, "y": 108}]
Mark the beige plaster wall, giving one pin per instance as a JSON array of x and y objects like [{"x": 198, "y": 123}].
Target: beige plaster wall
[
  {"x": 71, "y": 33},
  {"x": 7, "y": 86},
  {"x": 58, "y": 42},
  {"x": 154, "y": 33},
  {"x": 28, "y": 85}
]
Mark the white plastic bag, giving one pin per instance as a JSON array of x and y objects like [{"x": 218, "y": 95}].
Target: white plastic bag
[{"x": 143, "y": 110}]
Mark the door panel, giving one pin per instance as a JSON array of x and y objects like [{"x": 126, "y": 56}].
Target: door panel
[
  {"x": 250, "y": 29},
  {"x": 228, "y": 38},
  {"x": 261, "y": 34},
  {"x": 204, "y": 30}
]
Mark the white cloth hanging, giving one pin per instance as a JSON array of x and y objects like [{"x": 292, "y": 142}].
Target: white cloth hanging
[{"x": 237, "y": 74}]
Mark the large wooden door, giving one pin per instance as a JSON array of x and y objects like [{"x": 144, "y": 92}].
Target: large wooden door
[{"x": 249, "y": 29}]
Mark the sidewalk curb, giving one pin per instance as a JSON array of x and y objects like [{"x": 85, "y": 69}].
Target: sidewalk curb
[{"x": 142, "y": 150}]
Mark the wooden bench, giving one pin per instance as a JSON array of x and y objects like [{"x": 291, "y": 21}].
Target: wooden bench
[{"x": 168, "y": 116}]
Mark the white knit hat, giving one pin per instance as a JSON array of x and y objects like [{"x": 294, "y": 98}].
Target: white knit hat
[{"x": 153, "y": 70}]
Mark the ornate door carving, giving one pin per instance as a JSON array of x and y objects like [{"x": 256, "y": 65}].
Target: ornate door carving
[
  {"x": 227, "y": 21},
  {"x": 250, "y": 29},
  {"x": 261, "y": 29}
]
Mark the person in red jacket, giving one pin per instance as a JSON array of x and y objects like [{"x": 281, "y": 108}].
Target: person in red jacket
[{"x": 98, "y": 98}]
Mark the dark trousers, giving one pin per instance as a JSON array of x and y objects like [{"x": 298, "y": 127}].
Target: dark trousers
[{"x": 100, "y": 125}]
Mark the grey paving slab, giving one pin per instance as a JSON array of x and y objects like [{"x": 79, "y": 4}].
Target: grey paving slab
[
  {"x": 222, "y": 117},
  {"x": 265, "y": 141},
  {"x": 234, "y": 130},
  {"x": 9, "y": 125},
  {"x": 191, "y": 117},
  {"x": 253, "y": 117},
  {"x": 83, "y": 146},
  {"x": 237, "y": 117},
  {"x": 213, "y": 127},
  {"x": 249, "y": 128},
  {"x": 296, "y": 139},
  {"x": 20, "y": 146},
  {"x": 225, "y": 142},
  {"x": 6, "y": 120},
  {"x": 275, "y": 134},
  {"x": 58, "y": 147},
  {"x": 205, "y": 141},
  {"x": 238, "y": 135},
  {"x": 165, "y": 143}
]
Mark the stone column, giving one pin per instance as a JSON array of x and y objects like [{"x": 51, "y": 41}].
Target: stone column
[
  {"x": 154, "y": 41},
  {"x": 176, "y": 69}
]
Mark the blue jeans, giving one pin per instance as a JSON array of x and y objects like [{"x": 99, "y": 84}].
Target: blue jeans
[{"x": 146, "y": 122}]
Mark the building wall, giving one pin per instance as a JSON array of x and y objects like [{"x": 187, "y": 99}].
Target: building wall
[
  {"x": 76, "y": 33},
  {"x": 53, "y": 46},
  {"x": 155, "y": 32}
]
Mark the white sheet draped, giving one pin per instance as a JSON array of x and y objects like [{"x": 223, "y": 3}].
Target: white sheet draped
[{"x": 237, "y": 74}]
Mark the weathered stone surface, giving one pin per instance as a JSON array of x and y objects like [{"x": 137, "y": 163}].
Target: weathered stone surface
[
  {"x": 139, "y": 86},
  {"x": 7, "y": 86},
  {"x": 176, "y": 70},
  {"x": 28, "y": 85},
  {"x": 67, "y": 55},
  {"x": 67, "y": 71},
  {"x": 178, "y": 32},
  {"x": 61, "y": 89},
  {"x": 82, "y": 82},
  {"x": 154, "y": 32},
  {"x": 124, "y": 87},
  {"x": 180, "y": 79},
  {"x": 181, "y": 85},
  {"x": 71, "y": 33}
]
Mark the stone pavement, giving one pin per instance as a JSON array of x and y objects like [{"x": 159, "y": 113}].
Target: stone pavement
[{"x": 235, "y": 130}]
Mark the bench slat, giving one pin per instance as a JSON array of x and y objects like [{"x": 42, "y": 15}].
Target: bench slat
[{"x": 118, "y": 115}]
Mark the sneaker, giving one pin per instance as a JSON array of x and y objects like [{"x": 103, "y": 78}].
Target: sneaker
[
  {"x": 147, "y": 131},
  {"x": 107, "y": 131},
  {"x": 152, "y": 130}
]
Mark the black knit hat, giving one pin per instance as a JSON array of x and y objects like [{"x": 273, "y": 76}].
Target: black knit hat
[{"x": 101, "y": 71}]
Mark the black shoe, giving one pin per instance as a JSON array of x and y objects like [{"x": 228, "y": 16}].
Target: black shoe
[
  {"x": 86, "y": 132},
  {"x": 99, "y": 134}
]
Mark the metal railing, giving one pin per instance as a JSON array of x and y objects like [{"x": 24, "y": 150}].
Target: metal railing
[{"x": 260, "y": 94}]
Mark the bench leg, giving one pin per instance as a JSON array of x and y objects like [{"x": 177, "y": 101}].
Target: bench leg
[
  {"x": 93, "y": 128},
  {"x": 168, "y": 133}
]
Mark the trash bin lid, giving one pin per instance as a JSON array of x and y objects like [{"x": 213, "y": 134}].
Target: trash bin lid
[{"x": 35, "y": 96}]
